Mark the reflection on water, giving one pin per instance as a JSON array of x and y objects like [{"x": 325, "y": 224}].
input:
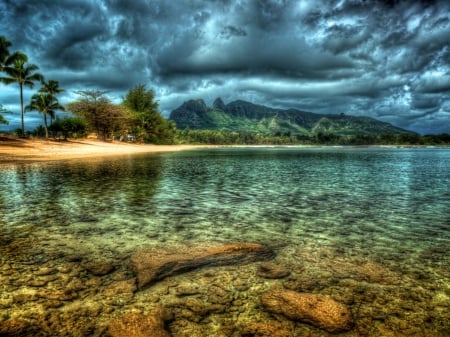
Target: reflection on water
[{"x": 368, "y": 226}]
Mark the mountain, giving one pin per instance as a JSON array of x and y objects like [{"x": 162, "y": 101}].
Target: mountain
[{"x": 248, "y": 117}]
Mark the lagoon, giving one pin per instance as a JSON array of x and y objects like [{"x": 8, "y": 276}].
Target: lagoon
[{"x": 366, "y": 226}]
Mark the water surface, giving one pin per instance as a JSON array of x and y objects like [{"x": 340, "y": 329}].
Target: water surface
[{"x": 369, "y": 220}]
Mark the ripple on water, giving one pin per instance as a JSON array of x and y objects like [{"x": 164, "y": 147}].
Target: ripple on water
[{"x": 367, "y": 227}]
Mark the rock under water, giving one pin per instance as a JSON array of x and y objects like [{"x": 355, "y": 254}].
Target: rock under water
[
  {"x": 317, "y": 310},
  {"x": 139, "y": 325},
  {"x": 152, "y": 264}
]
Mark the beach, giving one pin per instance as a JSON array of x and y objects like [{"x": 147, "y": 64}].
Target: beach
[{"x": 15, "y": 150}]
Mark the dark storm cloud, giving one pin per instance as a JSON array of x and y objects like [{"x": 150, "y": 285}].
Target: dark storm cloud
[
  {"x": 426, "y": 102},
  {"x": 386, "y": 59},
  {"x": 230, "y": 31}
]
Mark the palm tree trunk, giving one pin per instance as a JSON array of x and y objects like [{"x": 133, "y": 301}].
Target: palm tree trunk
[
  {"x": 52, "y": 115},
  {"x": 21, "y": 109},
  {"x": 45, "y": 126}
]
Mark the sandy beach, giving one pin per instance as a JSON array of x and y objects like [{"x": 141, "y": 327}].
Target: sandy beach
[{"x": 15, "y": 150}]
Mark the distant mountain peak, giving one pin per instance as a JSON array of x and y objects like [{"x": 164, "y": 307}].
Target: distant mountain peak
[
  {"x": 218, "y": 104},
  {"x": 244, "y": 116}
]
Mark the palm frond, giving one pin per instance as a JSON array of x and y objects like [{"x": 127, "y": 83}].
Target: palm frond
[{"x": 7, "y": 80}]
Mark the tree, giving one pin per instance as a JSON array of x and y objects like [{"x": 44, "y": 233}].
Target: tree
[
  {"x": 6, "y": 58},
  {"x": 4, "y": 51},
  {"x": 102, "y": 116},
  {"x": 69, "y": 127},
  {"x": 149, "y": 125},
  {"x": 45, "y": 104},
  {"x": 24, "y": 74},
  {"x": 2, "y": 119},
  {"x": 52, "y": 88}
]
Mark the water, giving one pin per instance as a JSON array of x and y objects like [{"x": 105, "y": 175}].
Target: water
[{"x": 368, "y": 226}]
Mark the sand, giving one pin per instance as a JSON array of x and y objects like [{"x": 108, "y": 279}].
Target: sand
[{"x": 15, "y": 150}]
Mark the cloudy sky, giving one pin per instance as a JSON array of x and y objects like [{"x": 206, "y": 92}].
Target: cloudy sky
[{"x": 386, "y": 59}]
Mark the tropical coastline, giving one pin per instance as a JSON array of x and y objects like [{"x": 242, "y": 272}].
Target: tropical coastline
[
  {"x": 18, "y": 150},
  {"x": 15, "y": 150}
]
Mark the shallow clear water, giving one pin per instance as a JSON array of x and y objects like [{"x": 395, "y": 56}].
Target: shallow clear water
[
  {"x": 382, "y": 202},
  {"x": 389, "y": 206}
]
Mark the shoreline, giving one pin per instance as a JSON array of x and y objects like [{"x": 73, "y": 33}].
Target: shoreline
[{"x": 16, "y": 150}]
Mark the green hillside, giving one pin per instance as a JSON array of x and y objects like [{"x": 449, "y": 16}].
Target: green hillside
[{"x": 242, "y": 116}]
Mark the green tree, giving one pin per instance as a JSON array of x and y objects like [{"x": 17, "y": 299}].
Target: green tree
[
  {"x": 2, "y": 119},
  {"x": 6, "y": 58},
  {"x": 102, "y": 116},
  {"x": 149, "y": 125},
  {"x": 46, "y": 104},
  {"x": 69, "y": 127},
  {"x": 4, "y": 51},
  {"x": 52, "y": 88},
  {"x": 25, "y": 75}
]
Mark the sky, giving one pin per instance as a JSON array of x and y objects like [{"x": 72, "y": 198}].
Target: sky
[{"x": 385, "y": 59}]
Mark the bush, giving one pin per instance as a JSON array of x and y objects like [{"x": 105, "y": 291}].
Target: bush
[{"x": 69, "y": 127}]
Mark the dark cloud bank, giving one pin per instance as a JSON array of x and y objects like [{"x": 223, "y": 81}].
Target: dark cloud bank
[{"x": 386, "y": 59}]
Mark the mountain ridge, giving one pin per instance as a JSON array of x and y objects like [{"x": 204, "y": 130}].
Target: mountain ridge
[{"x": 243, "y": 116}]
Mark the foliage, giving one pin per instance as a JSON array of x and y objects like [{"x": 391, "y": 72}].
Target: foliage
[
  {"x": 223, "y": 137},
  {"x": 2, "y": 119},
  {"x": 69, "y": 127},
  {"x": 51, "y": 87},
  {"x": 6, "y": 58},
  {"x": 39, "y": 131},
  {"x": 46, "y": 104},
  {"x": 4, "y": 50},
  {"x": 101, "y": 115},
  {"x": 148, "y": 125},
  {"x": 19, "y": 71}
]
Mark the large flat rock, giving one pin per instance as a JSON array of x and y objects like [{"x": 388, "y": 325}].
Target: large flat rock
[
  {"x": 153, "y": 264},
  {"x": 139, "y": 325},
  {"x": 318, "y": 310}
]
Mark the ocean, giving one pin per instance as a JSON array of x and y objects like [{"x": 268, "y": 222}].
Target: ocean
[{"x": 366, "y": 226}]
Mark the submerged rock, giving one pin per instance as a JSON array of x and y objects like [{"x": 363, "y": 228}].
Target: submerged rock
[
  {"x": 266, "y": 329},
  {"x": 127, "y": 287},
  {"x": 139, "y": 325},
  {"x": 4, "y": 239},
  {"x": 99, "y": 268},
  {"x": 187, "y": 290},
  {"x": 17, "y": 327},
  {"x": 317, "y": 310},
  {"x": 369, "y": 271},
  {"x": 272, "y": 271},
  {"x": 152, "y": 264}
]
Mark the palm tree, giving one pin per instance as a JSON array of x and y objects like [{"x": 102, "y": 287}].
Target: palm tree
[
  {"x": 24, "y": 74},
  {"x": 2, "y": 119},
  {"x": 52, "y": 88},
  {"x": 4, "y": 52},
  {"x": 6, "y": 58},
  {"x": 45, "y": 104}
]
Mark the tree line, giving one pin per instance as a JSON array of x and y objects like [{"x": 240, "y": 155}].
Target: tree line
[
  {"x": 224, "y": 137},
  {"x": 137, "y": 116}
]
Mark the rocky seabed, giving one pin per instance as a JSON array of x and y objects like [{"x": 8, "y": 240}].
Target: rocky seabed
[{"x": 213, "y": 289}]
